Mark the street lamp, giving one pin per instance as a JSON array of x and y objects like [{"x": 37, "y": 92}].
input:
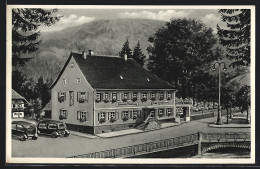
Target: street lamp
[{"x": 219, "y": 120}]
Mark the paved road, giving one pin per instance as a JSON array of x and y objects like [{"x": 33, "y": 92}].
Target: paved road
[{"x": 75, "y": 145}]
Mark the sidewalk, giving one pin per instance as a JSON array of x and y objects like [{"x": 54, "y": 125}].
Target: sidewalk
[
  {"x": 230, "y": 125},
  {"x": 83, "y": 134}
]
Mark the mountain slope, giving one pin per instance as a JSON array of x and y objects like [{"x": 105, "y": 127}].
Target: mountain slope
[{"x": 105, "y": 37}]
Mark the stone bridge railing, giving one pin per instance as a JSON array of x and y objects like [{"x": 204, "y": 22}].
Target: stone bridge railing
[{"x": 205, "y": 142}]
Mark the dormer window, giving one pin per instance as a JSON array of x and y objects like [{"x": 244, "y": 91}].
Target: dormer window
[
  {"x": 64, "y": 81},
  {"x": 169, "y": 96},
  {"x": 145, "y": 95},
  {"x": 78, "y": 80},
  {"x": 106, "y": 96},
  {"x": 114, "y": 96},
  {"x": 98, "y": 97}
]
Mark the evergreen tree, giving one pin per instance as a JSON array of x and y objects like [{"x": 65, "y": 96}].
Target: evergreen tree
[
  {"x": 25, "y": 34},
  {"x": 125, "y": 50},
  {"x": 236, "y": 37},
  {"x": 138, "y": 55},
  {"x": 243, "y": 99}
]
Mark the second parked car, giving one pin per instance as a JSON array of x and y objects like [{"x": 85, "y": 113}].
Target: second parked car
[
  {"x": 53, "y": 128},
  {"x": 23, "y": 130}
]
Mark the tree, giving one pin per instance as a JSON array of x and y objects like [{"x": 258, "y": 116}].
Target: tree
[
  {"x": 243, "y": 99},
  {"x": 138, "y": 55},
  {"x": 181, "y": 50},
  {"x": 25, "y": 34},
  {"x": 236, "y": 37},
  {"x": 227, "y": 98},
  {"x": 125, "y": 50}
]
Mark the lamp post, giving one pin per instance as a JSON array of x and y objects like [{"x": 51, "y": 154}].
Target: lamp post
[{"x": 219, "y": 120}]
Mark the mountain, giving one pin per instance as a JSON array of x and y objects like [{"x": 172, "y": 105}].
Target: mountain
[{"x": 104, "y": 37}]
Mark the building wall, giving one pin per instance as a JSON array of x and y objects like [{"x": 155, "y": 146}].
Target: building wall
[
  {"x": 119, "y": 106},
  {"x": 18, "y": 108},
  {"x": 71, "y": 73}
]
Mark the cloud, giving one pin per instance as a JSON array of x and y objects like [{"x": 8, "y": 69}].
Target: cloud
[
  {"x": 68, "y": 21},
  {"x": 165, "y": 15},
  {"x": 211, "y": 20}
]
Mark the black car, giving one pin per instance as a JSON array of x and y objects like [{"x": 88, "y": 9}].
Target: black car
[
  {"x": 53, "y": 128},
  {"x": 23, "y": 130}
]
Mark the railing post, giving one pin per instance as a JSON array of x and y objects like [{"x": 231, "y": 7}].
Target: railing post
[{"x": 199, "y": 143}]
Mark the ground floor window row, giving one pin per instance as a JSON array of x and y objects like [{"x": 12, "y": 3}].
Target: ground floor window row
[
  {"x": 82, "y": 116},
  {"x": 18, "y": 114}
]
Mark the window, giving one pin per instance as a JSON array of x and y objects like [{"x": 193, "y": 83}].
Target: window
[
  {"x": 83, "y": 116},
  {"x": 52, "y": 126},
  {"x": 125, "y": 96},
  {"x": 160, "y": 112},
  {"x": 63, "y": 114},
  {"x": 72, "y": 64},
  {"x": 61, "y": 96},
  {"x": 102, "y": 115},
  {"x": 168, "y": 95},
  {"x": 135, "y": 95},
  {"x": 42, "y": 126},
  {"x": 64, "y": 81},
  {"x": 152, "y": 113},
  {"x": 152, "y": 96},
  {"x": 106, "y": 96},
  {"x": 71, "y": 98},
  {"x": 112, "y": 115},
  {"x": 144, "y": 95},
  {"x": 169, "y": 111},
  {"x": 114, "y": 96},
  {"x": 78, "y": 80},
  {"x": 82, "y": 97},
  {"x": 135, "y": 114},
  {"x": 125, "y": 113},
  {"x": 98, "y": 97},
  {"x": 161, "y": 96}
]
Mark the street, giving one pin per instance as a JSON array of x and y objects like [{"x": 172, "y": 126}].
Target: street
[{"x": 46, "y": 146}]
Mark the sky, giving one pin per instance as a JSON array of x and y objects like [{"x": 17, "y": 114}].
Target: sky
[{"x": 74, "y": 17}]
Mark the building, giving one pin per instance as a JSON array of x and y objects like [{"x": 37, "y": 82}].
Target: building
[
  {"x": 46, "y": 111},
  {"x": 97, "y": 94},
  {"x": 18, "y": 105}
]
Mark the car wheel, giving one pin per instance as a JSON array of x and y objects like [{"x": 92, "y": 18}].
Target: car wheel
[
  {"x": 38, "y": 131},
  {"x": 66, "y": 135},
  {"x": 54, "y": 135},
  {"x": 22, "y": 137}
]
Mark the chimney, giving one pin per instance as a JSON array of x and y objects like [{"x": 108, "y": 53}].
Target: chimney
[
  {"x": 84, "y": 55},
  {"x": 125, "y": 57},
  {"x": 90, "y": 52}
]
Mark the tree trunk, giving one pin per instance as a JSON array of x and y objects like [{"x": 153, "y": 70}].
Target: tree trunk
[
  {"x": 230, "y": 112},
  {"x": 247, "y": 120},
  {"x": 227, "y": 115}
]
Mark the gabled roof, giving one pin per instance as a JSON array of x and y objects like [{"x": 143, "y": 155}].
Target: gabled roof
[
  {"x": 105, "y": 72},
  {"x": 16, "y": 96}
]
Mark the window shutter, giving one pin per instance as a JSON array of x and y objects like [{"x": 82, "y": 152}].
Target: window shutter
[
  {"x": 117, "y": 115},
  {"x": 58, "y": 95},
  {"x": 108, "y": 115},
  {"x": 157, "y": 95},
  {"x": 138, "y": 96},
  {"x": 105, "y": 115},
  {"x": 148, "y": 95},
  {"x": 141, "y": 95},
  {"x": 98, "y": 116},
  {"x": 110, "y": 95},
  {"x": 78, "y": 115},
  {"x": 66, "y": 114},
  {"x": 87, "y": 114},
  {"x": 87, "y": 96},
  {"x": 130, "y": 114},
  {"x": 103, "y": 98},
  {"x": 165, "y": 95},
  {"x": 118, "y": 96},
  {"x": 60, "y": 112},
  {"x": 64, "y": 95},
  {"x": 139, "y": 113},
  {"x": 122, "y": 96},
  {"x": 129, "y": 96},
  {"x": 78, "y": 96},
  {"x": 122, "y": 114}
]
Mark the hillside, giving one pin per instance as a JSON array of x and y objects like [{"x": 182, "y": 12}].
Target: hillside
[{"x": 105, "y": 37}]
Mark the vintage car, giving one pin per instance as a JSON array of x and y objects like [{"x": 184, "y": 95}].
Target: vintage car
[
  {"x": 53, "y": 128},
  {"x": 23, "y": 130}
]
